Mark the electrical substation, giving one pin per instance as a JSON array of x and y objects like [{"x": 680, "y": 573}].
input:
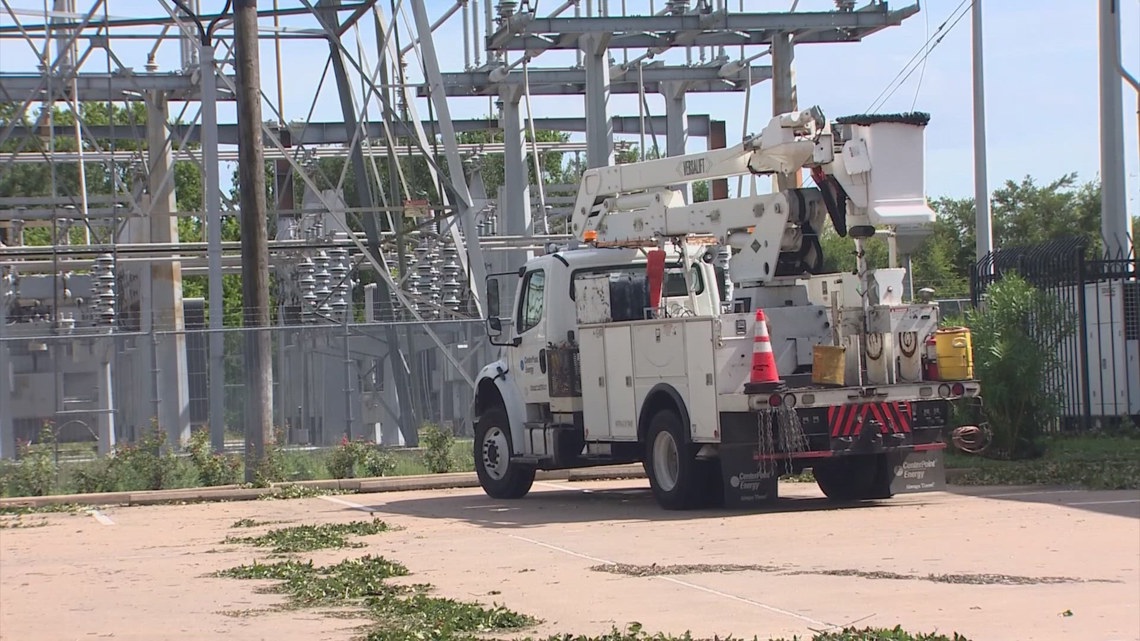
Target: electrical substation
[{"x": 115, "y": 273}]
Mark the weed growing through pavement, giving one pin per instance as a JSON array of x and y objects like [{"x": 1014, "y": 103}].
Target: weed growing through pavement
[
  {"x": 410, "y": 612},
  {"x": 50, "y": 508},
  {"x": 247, "y": 523},
  {"x": 296, "y": 491},
  {"x": 635, "y": 633},
  {"x": 306, "y": 538},
  {"x": 18, "y": 522},
  {"x": 402, "y": 612},
  {"x": 627, "y": 569},
  {"x": 251, "y": 523}
]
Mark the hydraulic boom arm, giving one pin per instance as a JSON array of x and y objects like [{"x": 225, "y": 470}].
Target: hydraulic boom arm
[{"x": 868, "y": 171}]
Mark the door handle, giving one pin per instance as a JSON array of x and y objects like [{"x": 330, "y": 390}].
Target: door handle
[{"x": 542, "y": 360}]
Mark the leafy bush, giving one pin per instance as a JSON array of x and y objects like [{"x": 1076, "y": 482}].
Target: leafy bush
[
  {"x": 437, "y": 444},
  {"x": 1017, "y": 333},
  {"x": 213, "y": 468},
  {"x": 359, "y": 458},
  {"x": 147, "y": 464},
  {"x": 35, "y": 472},
  {"x": 271, "y": 469}
]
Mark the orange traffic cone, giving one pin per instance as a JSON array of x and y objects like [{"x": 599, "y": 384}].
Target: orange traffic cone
[{"x": 764, "y": 377}]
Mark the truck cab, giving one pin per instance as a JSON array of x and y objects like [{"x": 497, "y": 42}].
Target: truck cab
[{"x": 529, "y": 403}]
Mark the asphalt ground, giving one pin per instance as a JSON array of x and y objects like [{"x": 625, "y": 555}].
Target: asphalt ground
[{"x": 990, "y": 563}]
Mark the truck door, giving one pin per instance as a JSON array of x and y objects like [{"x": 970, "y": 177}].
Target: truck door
[{"x": 529, "y": 357}]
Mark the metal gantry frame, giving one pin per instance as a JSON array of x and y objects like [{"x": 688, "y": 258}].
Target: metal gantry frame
[{"x": 676, "y": 49}]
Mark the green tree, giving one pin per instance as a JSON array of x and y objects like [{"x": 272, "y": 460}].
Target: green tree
[
  {"x": 551, "y": 162},
  {"x": 1024, "y": 213}
]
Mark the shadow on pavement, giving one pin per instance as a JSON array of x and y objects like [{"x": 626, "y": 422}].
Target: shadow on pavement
[
  {"x": 545, "y": 506},
  {"x": 1124, "y": 503}
]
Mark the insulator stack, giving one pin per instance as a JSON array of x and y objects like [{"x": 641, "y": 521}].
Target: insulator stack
[
  {"x": 16, "y": 238},
  {"x": 435, "y": 289},
  {"x": 424, "y": 270},
  {"x": 103, "y": 285},
  {"x": 63, "y": 230},
  {"x": 507, "y": 8},
  {"x": 410, "y": 286},
  {"x": 307, "y": 282},
  {"x": 451, "y": 270},
  {"x": 338, "y": 269},
  {"x": 323, "y": 291}
]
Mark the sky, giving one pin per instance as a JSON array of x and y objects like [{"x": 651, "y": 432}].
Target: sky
[{"x": 1041, "y": 82}]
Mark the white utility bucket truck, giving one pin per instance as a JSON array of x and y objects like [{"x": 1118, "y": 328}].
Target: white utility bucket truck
[{"x": 637, "y": 343}]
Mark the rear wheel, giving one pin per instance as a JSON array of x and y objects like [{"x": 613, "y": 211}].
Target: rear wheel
[
  {"x": 854, "y": 478},
  {"x": 500, "y": 477},
  {"x": 675, "y": 475}
]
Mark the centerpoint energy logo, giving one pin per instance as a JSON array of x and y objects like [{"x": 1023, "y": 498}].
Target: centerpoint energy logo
[
  {"x": 746, "y": 481},
  {"x": 915, "y": 469}
]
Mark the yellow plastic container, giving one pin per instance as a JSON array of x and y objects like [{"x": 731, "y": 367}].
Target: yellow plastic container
[
  {"x": 955, "y": 354},
  {"x": 828, "y": 365}
]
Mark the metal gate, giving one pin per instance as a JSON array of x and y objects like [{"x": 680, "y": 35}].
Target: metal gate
[{"x": 1099, "y": 377}]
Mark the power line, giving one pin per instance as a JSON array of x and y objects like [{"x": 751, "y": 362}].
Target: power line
[
  {"x": 927, "y": 47},
  {"x": 922, "y": 74}
]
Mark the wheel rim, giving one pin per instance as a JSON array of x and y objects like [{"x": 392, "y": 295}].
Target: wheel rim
[
  {"x": 666, "y": 461},
  {"x": 496, "y": 453}
]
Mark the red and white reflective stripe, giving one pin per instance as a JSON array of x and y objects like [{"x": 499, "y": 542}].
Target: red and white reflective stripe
[
  {"x": 761, "y": 342},
  {"x": 847, "y": 420}
]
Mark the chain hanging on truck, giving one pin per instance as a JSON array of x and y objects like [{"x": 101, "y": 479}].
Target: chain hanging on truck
[
  {"x": 766, "y": 449},
  {"x": 792, "y": 439},
  {"x": 778, "y": 430}
]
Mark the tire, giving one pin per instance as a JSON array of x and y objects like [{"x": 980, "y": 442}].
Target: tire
[
  {"x": 499, "y": 477},
  {"x": 854, "y": 478},
  {"x": 670, "y": 462}
]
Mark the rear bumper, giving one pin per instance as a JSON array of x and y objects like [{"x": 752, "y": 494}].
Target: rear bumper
[
  {"x": 805, "y": 456},
  {"x": 852, "y": 429}
]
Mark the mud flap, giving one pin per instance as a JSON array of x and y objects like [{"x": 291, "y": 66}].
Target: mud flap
[
  {"x": 744, "y": 483},
  {"x": 917, "y": 472}
]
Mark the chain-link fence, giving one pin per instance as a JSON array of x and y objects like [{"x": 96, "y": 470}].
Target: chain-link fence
[{"x": 379, "y": 381}]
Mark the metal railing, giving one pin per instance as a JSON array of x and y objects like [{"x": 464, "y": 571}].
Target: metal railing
[{"x": 1099, "y": 373}]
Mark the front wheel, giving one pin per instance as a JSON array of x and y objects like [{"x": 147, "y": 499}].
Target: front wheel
[{"x": 500, "y": 477}]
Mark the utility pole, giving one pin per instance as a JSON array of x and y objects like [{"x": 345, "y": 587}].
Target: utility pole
[
  {"x": 785, "y": 97},
  {"x": 1113, "y": 214},
  {"x": 254, "y": 239},
  {"x": 983, "y": 223},
  {"x": 213, "y": 207}
]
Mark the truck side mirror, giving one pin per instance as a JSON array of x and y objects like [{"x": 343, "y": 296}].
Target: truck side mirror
[
  {"x": 493, "y": 299},
  {"x": 495, "y": 330},
  {"x": 494, "y": 326}
]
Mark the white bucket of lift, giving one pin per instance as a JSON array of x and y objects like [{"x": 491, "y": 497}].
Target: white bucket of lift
[{"x": 885, "y": 163}]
